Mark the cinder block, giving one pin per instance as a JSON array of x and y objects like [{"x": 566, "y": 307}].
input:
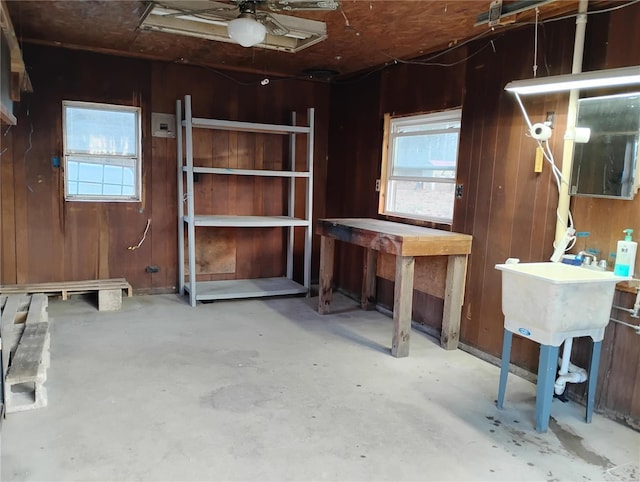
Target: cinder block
[{"x": 110, "y": 300}]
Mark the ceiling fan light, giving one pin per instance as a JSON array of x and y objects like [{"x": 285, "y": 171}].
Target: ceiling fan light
[{"x": 246, "y": 30}]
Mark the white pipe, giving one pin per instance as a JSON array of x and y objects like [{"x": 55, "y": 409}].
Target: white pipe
[
  {"x": 567, "y": 153},
  {"x": 566, "y": 356},
  {"x": 574, "y": 374},
  {"x": 636, "y": 306},
  {"x": 569, "y": 373},
  {"x": 571, "y": 377}
]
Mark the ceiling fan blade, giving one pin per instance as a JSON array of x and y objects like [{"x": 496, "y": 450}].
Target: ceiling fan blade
[
  {"x": 273, "y": 26},
  {"x": 290, "y": 5}
]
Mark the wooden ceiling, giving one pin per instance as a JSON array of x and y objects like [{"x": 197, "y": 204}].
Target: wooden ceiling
[{"x": 361, "y": 34}]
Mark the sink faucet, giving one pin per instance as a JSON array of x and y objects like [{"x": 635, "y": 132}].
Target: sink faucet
[{"x": 584, "y": 254}]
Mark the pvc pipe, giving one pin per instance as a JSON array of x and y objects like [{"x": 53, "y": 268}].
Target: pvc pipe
[
  {"x": 567, "y": 153},
  {"x": 578, "y": 376},
  {"x": 569, "y": 373},
  {"x": 566, "y": 356}
]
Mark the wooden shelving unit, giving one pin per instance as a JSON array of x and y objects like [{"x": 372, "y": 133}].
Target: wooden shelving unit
[{"x": 240, "y": 288}]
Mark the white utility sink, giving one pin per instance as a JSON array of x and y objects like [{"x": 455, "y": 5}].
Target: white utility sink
[{"x": 550, "y": 302}]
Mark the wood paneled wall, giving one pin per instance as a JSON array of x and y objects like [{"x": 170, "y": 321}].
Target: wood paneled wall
[
  {"x": 45, "y": 238},
  {"x": 507, "y": 207}
]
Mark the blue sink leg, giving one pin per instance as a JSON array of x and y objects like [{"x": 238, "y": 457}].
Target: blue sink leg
[
  {"x": 593, "y": 378},
  {"x": 504, "y": 366},
  {"x": 547, "y": 368}
]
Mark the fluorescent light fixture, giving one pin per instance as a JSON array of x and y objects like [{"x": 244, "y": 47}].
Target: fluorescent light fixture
[
  {"x": 246, "y": 30},
  {"x": 210, "y": 20},
  {"x": 584, "y": 80}
]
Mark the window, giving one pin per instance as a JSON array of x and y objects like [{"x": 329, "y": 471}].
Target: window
[
  {"x": 102, "y": 152},
  {"x": 419, "y": 166}
]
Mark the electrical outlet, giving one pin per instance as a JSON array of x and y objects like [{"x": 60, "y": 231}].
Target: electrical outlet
[
  {"x": 495, "y": 12},
  {"x": 459, "y": 190},
  {"x": 551, "y": 118},
  {"x": 377, "y": 185}
]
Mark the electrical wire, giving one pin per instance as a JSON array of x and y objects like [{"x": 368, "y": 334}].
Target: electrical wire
[
  {"x": 557, "y": 174},
  {"x": 144, "y": 236}
]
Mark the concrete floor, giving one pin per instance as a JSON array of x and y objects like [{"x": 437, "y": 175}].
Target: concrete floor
[{"x": 269, "y": 390}]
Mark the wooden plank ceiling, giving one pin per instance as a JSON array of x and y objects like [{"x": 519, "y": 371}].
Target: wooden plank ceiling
[{"x": 361, "y": 34}]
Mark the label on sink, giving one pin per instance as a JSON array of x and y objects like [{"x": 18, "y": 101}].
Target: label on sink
[{"x": 524, "y": 331}]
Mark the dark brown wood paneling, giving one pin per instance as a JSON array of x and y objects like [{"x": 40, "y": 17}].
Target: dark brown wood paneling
[{"x": 48, "y": 239}]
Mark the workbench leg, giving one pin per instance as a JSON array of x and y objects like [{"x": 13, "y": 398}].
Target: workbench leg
[
  {"x": 547, "y": 368},
  {"x": 504, "y": 366},
  {"x": 368, "y": 300},
  {"x": 327, "y": 246},
  {"x": 453, "y": 298},
  {"x": 593, "y": 379},
  {"x": 403, "y": 300}
]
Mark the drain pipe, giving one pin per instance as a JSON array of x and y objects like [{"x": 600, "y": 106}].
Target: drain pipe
[
  {"x": 572, "y": 109},
  {"x": 568, "y": 371}
]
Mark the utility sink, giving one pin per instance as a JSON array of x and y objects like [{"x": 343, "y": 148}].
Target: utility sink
[{"x": 550, "y": 302}]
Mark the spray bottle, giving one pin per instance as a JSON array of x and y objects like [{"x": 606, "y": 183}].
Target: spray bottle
[{"x": 626, "y": 255}]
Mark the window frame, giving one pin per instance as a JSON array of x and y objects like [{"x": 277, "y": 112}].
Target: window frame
[
  {"x": 119, "y": 159},
  {"x": 386, "y": 177}
]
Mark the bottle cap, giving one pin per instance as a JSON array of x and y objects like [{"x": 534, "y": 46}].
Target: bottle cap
[{"x": 627, "y": 232}]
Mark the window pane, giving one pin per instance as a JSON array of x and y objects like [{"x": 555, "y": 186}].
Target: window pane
[
  {"x": 102, "y": 177},
  {"x": 113, "y": 174},
  {"x": 90, "y": 172},
  {"x": 99, "y": 131},
  {"x": 430, "y": 200},
  {"x": 426, "y": 155},
  {"x": 111, "y": 190},
  {"x": 89, "y": 188},
  {"x": 72, "y": 170}
]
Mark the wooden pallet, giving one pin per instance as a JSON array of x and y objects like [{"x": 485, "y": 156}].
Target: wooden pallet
[
  {"x": 109, "y": 290},
  {"x": 24, "y": 331}
]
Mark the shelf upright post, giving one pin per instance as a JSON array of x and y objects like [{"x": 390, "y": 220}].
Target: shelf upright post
[
  {"x": 191, "y": 228},
  {"x": 309, "y": 204},
  {"x": 292, "y": 198},
  {"x": 180, "y": 198}
]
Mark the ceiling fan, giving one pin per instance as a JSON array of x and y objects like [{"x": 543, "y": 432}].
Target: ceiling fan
[
  {"x": 262, "y": 23},
  {"x": 252, "y": 25}
]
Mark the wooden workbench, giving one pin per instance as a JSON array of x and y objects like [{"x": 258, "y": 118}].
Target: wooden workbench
[{"x": 405, "y": 242}]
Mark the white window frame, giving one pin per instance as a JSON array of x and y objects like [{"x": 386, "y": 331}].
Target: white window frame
[
  {"x": 114, "y": 159},
  {"x": 390, "y": 135}
]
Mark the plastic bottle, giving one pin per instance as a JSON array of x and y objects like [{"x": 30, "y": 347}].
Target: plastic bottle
[{"x": 626, "y": 255}]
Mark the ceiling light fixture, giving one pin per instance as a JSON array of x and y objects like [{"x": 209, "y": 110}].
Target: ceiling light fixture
[
  {"x": 246, "y": 30},
  {"x": 210, "y": 20},
  {"x": 583, "y": 80}
]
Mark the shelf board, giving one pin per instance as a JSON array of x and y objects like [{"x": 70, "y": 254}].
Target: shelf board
[
  {"x": 246, "y": 288},
  {"x": 247, "y": 221},
  {"x": 227, "y": 125},
  {"x": 247, "y": 172}
]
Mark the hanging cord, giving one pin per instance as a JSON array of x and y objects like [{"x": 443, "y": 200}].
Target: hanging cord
[
  {"x": 144, "y": 236},
  {"x": 557, "y": 174},
  {"x": 535, "y": 44}
]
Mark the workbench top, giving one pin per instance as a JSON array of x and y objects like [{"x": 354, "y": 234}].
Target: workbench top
[{"x": 394, "y": 238}]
